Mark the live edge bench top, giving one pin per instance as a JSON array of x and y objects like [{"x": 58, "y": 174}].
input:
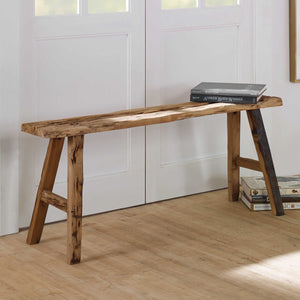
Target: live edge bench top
[{"x": 138, "y": 117}]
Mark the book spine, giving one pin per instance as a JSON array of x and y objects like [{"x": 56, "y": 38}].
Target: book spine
[
  {"x": 260, "y": 199},
  {"x": 265, "y": 199},
  {"x": 222, "y": 99},
  {"x": 267, "y": 206},
  {"x": 264, "y": 192}
]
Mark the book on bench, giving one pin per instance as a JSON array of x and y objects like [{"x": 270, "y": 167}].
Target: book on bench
[{"x": 214, "y": 92}]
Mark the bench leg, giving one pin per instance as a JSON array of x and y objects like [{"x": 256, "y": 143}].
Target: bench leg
[
  {"x": 233, "y": 145},
  {"x": 74, "y": 205},
  {"x": 47, "y": 181},
  {"x": 265, "y": 159}
]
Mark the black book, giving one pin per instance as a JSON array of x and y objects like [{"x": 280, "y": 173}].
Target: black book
[{"x": 244, "y": 93}]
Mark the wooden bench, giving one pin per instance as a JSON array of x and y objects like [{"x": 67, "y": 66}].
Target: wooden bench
[{"x": 75, "y": 129}]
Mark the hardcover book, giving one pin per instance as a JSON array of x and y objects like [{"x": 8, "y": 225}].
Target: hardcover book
[
  {"x": 265, "y": 199},
  {"x": 227, "y": 92},
  {"x": 255, "y": 186},
  {"x": 267, "y": 206}
]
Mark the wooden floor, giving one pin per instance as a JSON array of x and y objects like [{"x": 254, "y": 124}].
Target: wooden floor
[{"x": 197, "y": 247}]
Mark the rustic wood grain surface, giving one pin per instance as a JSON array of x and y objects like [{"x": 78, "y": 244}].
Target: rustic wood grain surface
[
  {"x": 265, "y": 158},
  {"x": 137, "y": 117},
  {"x": 47, "y": 182},
  {"x": 233, "y": 150},
  {"x": 74, "y": 206}
]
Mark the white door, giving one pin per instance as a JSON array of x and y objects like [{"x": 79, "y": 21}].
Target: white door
[
  {"x": 84, "y": 57},
  {"x": 190, "y": 41}
]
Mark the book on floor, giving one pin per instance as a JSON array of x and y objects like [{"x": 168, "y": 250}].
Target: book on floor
[
  {"x": 212, "y": 92},
  {"x": 265, "y": 198},
  {"x": 255, "y": 187},
  {"x": 266, "y": 206}
]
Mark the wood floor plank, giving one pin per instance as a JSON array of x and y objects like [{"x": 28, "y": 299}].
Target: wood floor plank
[{"x": 197, "y": 247}]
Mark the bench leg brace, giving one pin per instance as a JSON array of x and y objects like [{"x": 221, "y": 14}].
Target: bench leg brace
[
  {"x": 74, "y": 205},
  {"x": 47, "y": 181}
]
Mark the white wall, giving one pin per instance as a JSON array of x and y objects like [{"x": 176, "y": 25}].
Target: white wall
[
  {"x": 9, "y": 115},
  {"x": 285, "y": 136},
  {"x": 272, "y": 67}
]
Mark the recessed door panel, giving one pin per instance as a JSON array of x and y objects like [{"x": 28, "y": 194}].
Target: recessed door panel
[
  {"x": 204, "y": 41},
  {"x": 83, "y": 63}
]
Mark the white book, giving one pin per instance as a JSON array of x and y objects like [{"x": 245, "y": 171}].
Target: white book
[{"x": 255, "y": 185}]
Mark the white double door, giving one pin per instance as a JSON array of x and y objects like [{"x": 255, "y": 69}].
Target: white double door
[{"x": 90, "y": 63}]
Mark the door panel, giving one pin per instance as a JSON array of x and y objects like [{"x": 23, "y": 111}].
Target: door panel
[
  {"x": 80, "y": 65},
  {"x": 184, "y": 47}
]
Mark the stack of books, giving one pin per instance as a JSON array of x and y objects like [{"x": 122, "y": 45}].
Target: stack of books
[
  {"x": 242, "y": 93},
  {"x": 255, "y": 196}
]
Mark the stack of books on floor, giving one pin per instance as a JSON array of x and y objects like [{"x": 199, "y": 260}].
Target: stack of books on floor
[
  {"x": 238, "y": 93},
  {"x": 255, "y": 196}
]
